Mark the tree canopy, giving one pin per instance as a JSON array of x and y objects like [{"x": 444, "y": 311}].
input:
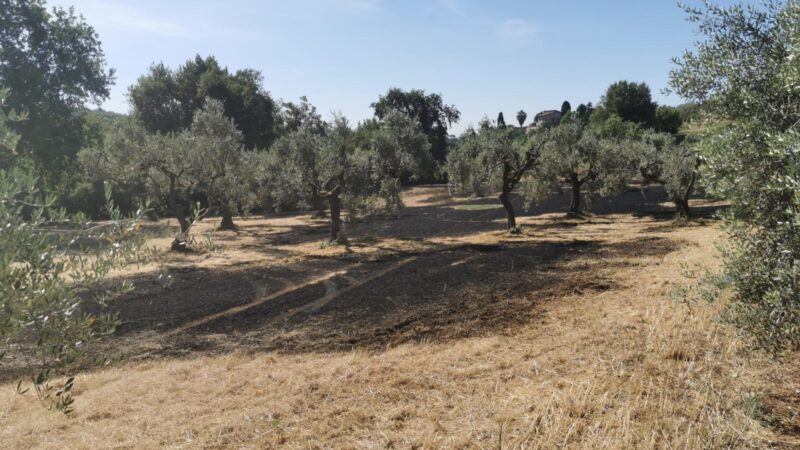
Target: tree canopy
[
  {"x": 434, "y": 116},
  {"x": 208, "y": 158},
  {"x": 52, "y": 63},
  {"x": 495, "y": 159},
  {"x": 745, "y": 75},
  {"x": 630, "y": 101},
  {"x": 581, "y": 157},
  {"x": 331, "y": 164},
  {"x": 164, "y": 101},
  {"x": 676, "y": 165}
]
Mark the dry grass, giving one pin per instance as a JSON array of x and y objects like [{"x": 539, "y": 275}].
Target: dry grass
[{"x": 617, "y": 367}]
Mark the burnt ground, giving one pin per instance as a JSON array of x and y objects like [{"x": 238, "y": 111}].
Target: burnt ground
[
  {"x": 339, "y": 303},
  {"x": 433, "y": 292}
]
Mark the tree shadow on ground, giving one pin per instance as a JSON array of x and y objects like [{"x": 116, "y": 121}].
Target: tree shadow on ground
[
  {"x": 436, "y": 294},
  {"x": 435, "y": 297},
  {"x": 439, "y": 216}
]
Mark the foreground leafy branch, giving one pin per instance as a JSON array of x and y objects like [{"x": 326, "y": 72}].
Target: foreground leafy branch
[{"x": 52, "y": 266}]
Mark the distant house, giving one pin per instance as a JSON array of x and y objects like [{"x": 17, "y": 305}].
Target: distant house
[{"x": 552, "y": 117}]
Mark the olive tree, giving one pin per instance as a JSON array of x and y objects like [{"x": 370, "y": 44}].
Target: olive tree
[
  {"x": 223, "y": 167},
  {"x": 745, "y": 74},
  {"x": 208, "y": 158},
  {"x": 660, "y": 159},
  {"x": 395, "y": 149},
  {"x": 163, "y": 162},
  {"x": 331, "y": 165},
  {"x": 50, "y": 268},
  {"x": 578, "y": 156},
  {"x": 302, "y": 119},
  {"x": 494, "y": 159}
]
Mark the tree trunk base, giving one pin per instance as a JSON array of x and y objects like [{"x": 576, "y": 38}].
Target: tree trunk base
[
  {"x": 179, "y": 245},
  {"x": 341, "y": 240},
  {"x": 684, "y": 211},
  {"x": 227, "y": 226}
]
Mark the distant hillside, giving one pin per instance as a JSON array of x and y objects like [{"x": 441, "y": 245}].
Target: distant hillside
[{"x": 107, "y": 117}]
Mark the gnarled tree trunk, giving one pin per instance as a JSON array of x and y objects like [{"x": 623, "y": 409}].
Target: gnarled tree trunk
[
  {"x": 505, "y": 198},
  {"x": 511, "y": 217},
  {"x": 179, "y": 210},
  {"x": 336, "y": 217},
  {"x": 575, "y": 202},
  {"x": 682, "y": 202},
  {"x": 684, "y": 212},
  {"x": 227, "y": 219}
]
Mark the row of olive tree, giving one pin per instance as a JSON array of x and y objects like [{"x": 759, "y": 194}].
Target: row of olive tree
[
  {"x": 331, "y": 162},
  {"x": 312, "y": 163},
  {"x": 593, "y": 157}
]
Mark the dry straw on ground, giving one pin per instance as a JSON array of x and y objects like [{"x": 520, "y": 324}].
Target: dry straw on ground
[{"x": 597, "y": 356}]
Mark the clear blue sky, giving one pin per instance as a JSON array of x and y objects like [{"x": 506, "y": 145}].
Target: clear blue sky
[{"x": 482, "y": 56}]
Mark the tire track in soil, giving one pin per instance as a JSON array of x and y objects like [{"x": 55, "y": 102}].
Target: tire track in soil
[
  {"x": 262, "y": 299},
  {"x": 334, "y": 293},
  {"x": 331, "y": 290}
]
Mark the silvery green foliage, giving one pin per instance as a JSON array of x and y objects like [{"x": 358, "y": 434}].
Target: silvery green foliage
[
  {"x": 477, "y": 164},
  {"x": 397, "y": 148},
  {"x": 289, "y": 171},
  {"x": 163, "y": 162},
  {"x": 328, "y": 163},
  {"x": 51, "y": 265},
  {"x": 287, "y": 174},
  {"x": 465, "y": 173},
  {"x": 225, "y": 174},
  {"x": 746, "y": 74},
  {"x": 660, "y": 159},
  {"x": 576, "y": 155},
  {"x": 496, "y": 159},
  {"x": 208, "y": 158},
  {"x": 315, "y": 159}
]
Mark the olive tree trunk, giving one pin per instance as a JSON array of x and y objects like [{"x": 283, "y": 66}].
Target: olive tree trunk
[
  {"x": 227, "y": 219},
  {"x": 336, "y": 217},
  {"x": 684, "y": 211},
  {"x": 511, "y": 217},
  {"x": 179, "y": 211},
  {"x": 575, "y": 201},
  {"x": 682, "y": 200}
]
